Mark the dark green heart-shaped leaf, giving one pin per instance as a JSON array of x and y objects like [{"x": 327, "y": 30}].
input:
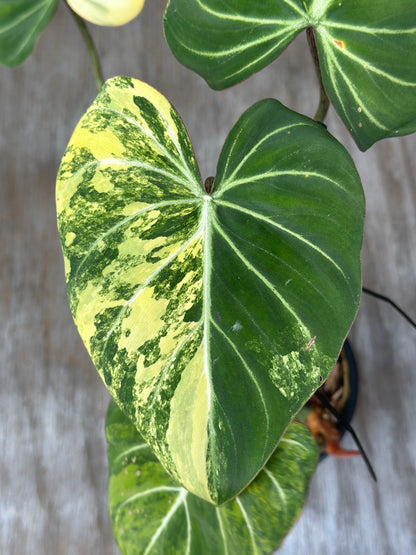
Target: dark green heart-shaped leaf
[
  {"x": 369, "y": 67},
  {"x": 21, "y": 22},
  {"x": 211, "y": 318},
  {"x": 225, "y": 42},
  {"x": 150, "y": 513},
  {"x": 366, "y": 52}
]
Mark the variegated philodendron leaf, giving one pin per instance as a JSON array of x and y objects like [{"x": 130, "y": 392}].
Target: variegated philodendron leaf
[
  {"x": 210, "y": 317},
  {"x": 107, "y": 12},
  {"x": 366, "y": 51},
  {"x": 21, "y": 22},
  {"x": 152, "y": 515}
]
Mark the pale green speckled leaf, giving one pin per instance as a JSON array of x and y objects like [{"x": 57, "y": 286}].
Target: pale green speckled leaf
[
  {"x": 211, "y": 318},
  {"x": 151, "y": 514}
]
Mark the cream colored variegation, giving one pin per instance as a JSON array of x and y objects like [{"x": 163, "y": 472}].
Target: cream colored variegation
[
  {"x": 206, "y": 314},
  {"x": 111, "y": 13},
  {"x": 150, "y": 513}
]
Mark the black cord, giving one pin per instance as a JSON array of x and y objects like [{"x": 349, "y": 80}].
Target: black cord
[
  {"x": 349, "y": 428},
  {"x": 392, "y": 303}
]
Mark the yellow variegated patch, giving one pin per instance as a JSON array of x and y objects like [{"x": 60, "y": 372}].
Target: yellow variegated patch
[
  {"x": 111, "y": 13},
  {"x": 150, "y": 513},
  {"x": 207, "y": 315}
]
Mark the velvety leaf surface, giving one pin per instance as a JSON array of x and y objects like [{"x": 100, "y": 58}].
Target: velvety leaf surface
[
  {"x": 151, "y": 514},
  {"x": 369, "y": 67},
  {"x": 21, "y": 22},
  {"x": 207, "y": 315},
  {"x": 365, "y": 50},
  {"x": 225, "y": 42}
]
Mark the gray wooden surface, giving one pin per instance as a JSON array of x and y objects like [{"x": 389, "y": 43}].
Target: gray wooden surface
[{"x": 53, "y": 468}]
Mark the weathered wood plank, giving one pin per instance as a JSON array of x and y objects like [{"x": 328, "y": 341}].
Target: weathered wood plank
[{"x": 53, "y": 468}]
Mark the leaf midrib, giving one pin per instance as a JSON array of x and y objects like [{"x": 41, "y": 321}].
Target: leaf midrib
[{"x": 206, "y": 229}]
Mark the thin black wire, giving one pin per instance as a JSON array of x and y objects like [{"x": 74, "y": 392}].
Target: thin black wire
[
  {"x": 392, "y": 303},
  {"x": 349, "y": 428},
  {"x": 333, "y": 411}
]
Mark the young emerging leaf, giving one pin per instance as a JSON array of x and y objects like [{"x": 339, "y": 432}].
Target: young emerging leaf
[
  {"x": 110, "y": 13},
  {"x": 21, "y": 22},
  {"x": 366, "y": 52},
  {"x": 150, "y": 513},
  {"x": 210, "y": 317}
]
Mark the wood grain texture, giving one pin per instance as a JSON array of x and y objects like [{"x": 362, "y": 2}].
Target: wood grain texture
[{"x": 53, "y": 468}]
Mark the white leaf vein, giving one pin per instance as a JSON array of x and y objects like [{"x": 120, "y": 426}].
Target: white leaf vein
[
  {"x": 223, "y": 536},
  {"x": 369, "y": 66},
  {"x": 133, "y": 449},
  {"x": 259, "y": 275},
  {"x": 183, "y": 168},
  {"x": 229, "y": 181},
  {"x": 253, "y": 379},
  {"x": 127, "y": 220},
  {"x": 165, "y": 521},
  {"x": 332, "y": 65},
  {"x": 248, "y": 19},
  {"x": 147, "y": 282},
  {"x": 369, "y": 30},
  {"x": 276, "y": 485},
  {"x": 280, "y": 173},
  {"x": 147, "y": 492},
  {"x": 285, "y": 230},
  {"x": 248, "y": 524}
]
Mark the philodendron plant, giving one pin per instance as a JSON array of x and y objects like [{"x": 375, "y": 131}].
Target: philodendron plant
[
  {"x": 206, "y": 309},
  {"x": 363, "y": 50},
  {"x": 151, "y": 513},
  {"x": 213, "y": 309}
]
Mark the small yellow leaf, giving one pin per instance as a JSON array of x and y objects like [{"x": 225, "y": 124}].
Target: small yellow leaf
[{"x": 111, "y": 13}]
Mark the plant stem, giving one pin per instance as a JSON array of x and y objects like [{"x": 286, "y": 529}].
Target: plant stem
[
  {"x": 92, "y": 51},
  {"x": 323, "y": 100}
]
